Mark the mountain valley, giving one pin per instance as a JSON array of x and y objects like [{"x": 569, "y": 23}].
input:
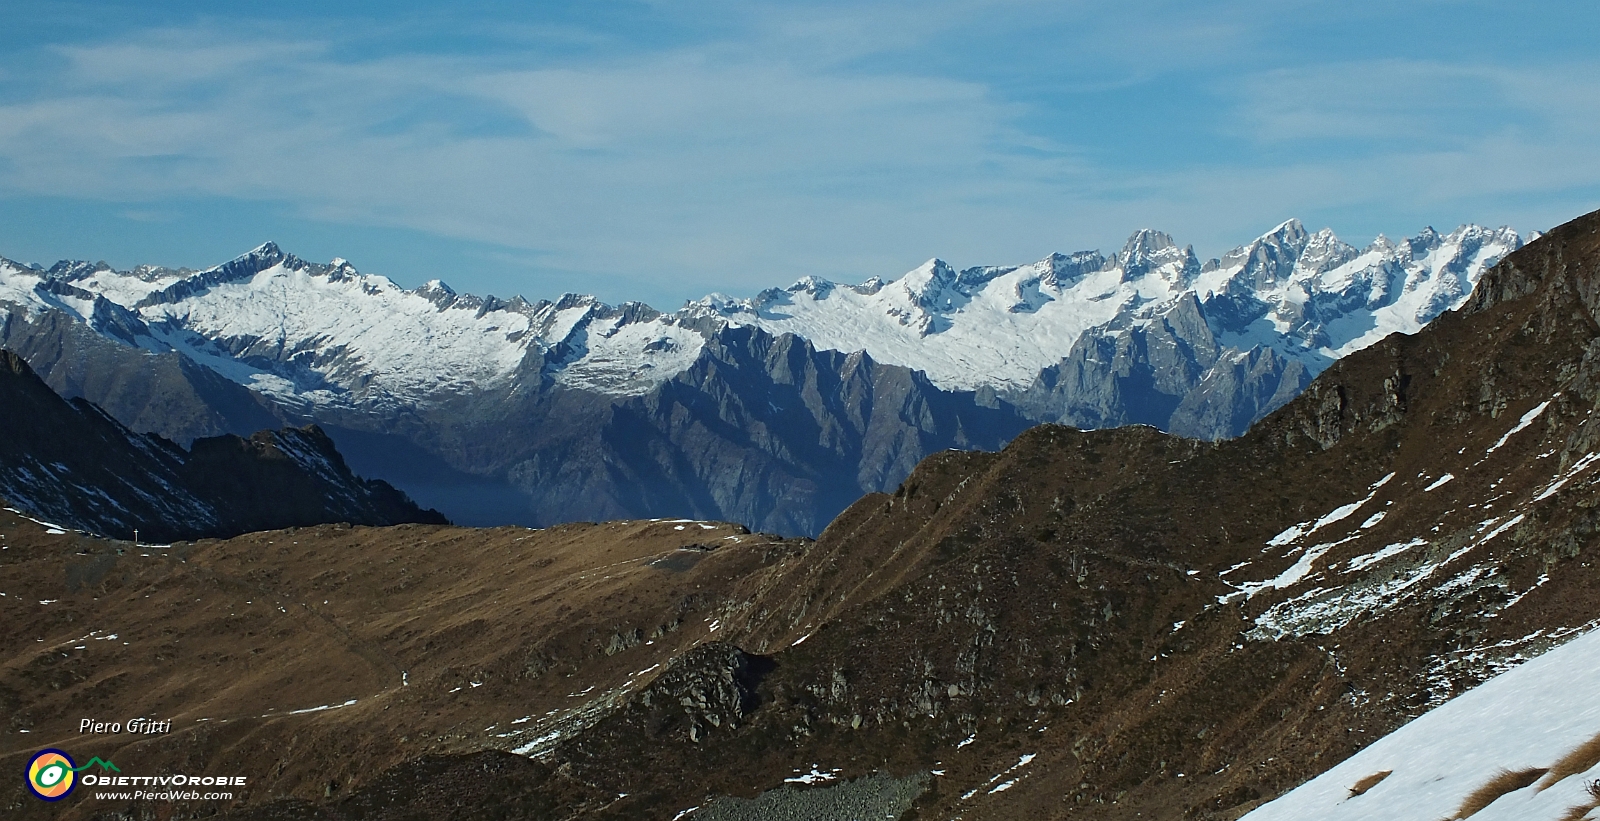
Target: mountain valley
[{"x": 1107, "y": 624}]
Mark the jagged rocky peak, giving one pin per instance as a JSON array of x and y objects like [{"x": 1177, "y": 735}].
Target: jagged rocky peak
[
  {"x": 929, "y": 278},
  {"x": 1149, "y": 251},
  {"x": 1426, "y": 240},
  {"x": 816, "y": 286},
  {"x": 265, "y": 256},
  {"x": 1473, "y": 239},
  {"x": 339, "y": 269},
  {"x": 1271, "y": 258},
  {"x": 569, "y": 301},
  {"x": 870, "y": 286},
  {"x": 1323, "y": 252},
  {"x": 1061, "y": 270},
  {"x": 631, "y": 312},
  {"x": 437, "y": 292},
  {"x": 156, "y": 273},
  {"x": 69, "y": 270}
]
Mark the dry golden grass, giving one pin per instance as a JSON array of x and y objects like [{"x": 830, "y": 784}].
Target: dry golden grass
[
  {"x": 1580, "y": 812},
  {"x": 1577, "y": 813},
  {"x": 1580, "y": 760},
  {"x": 1368, "y": 783},
  {"x": 1501, "y": 783}
]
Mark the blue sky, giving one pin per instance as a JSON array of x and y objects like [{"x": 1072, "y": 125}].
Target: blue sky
[{"x": 660, "y": 151}]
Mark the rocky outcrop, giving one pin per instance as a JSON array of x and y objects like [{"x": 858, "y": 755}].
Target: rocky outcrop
[{"x": 711, "y": 686}]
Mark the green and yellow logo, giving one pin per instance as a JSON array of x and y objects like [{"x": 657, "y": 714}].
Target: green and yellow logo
[{"x": 52, "y": 773}]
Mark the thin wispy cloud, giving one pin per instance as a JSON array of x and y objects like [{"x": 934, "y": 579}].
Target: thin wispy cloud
[{"x": 778, "y": 141}]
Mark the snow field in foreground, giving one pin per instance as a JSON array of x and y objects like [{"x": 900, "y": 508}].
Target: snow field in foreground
[{"x": 1529, "y": 717}]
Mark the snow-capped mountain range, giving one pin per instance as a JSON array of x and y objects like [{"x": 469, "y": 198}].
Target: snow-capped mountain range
[
  {"x": 312, "y": 334},
  {"x": 1310, "y": 297},
  {"x": 1149, "y": 335},
  {"x": 322, "y": 334}
]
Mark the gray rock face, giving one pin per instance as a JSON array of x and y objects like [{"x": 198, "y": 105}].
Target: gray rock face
[
  {"x": 761, "y": 430},
  {"x": 164, "y": 393},
  {"x": 711, "y": 687},
  {"x": 1171, "y": 373}
]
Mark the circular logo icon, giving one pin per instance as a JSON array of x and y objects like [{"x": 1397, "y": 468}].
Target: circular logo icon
[{"x": 50, "y": 775}]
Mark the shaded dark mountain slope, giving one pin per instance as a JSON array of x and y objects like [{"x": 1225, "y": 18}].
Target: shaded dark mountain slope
[
  {"x": 763, "y": 430},
  {"x": 167, "y": 394},
  {"x": 72, "y": 464},
  {"x": 1172, "y": 373}
]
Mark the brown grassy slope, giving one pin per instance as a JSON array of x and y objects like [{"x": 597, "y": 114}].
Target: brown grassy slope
[{"x": 228, "y": 638}]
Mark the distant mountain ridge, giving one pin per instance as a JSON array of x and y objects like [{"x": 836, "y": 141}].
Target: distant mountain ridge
[
  {"x": 74, "y": 466},
  {"x": 1307, "y": 296},
  {"x": 1149, "y": 335}
]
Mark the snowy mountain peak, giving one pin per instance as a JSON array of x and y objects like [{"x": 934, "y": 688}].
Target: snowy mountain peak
[
  {"x": 871, "y": 285},
  {"x": 813, "y": 285},
  {"x": 1144, "y": 243},
  {"x": 569, "y": 301},
  {"x": 1064, "y": 269},
  {"x": 1290, "y": 232},
  {"x": 929, "y": 279},
  {"x": 1270, "y": 258},
  {"x": 1310, "y": 297},
  {"x": 327, "y": 334},
  {"x": 1153, "y": 252},
  {"x": 74, "y": 269}
]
